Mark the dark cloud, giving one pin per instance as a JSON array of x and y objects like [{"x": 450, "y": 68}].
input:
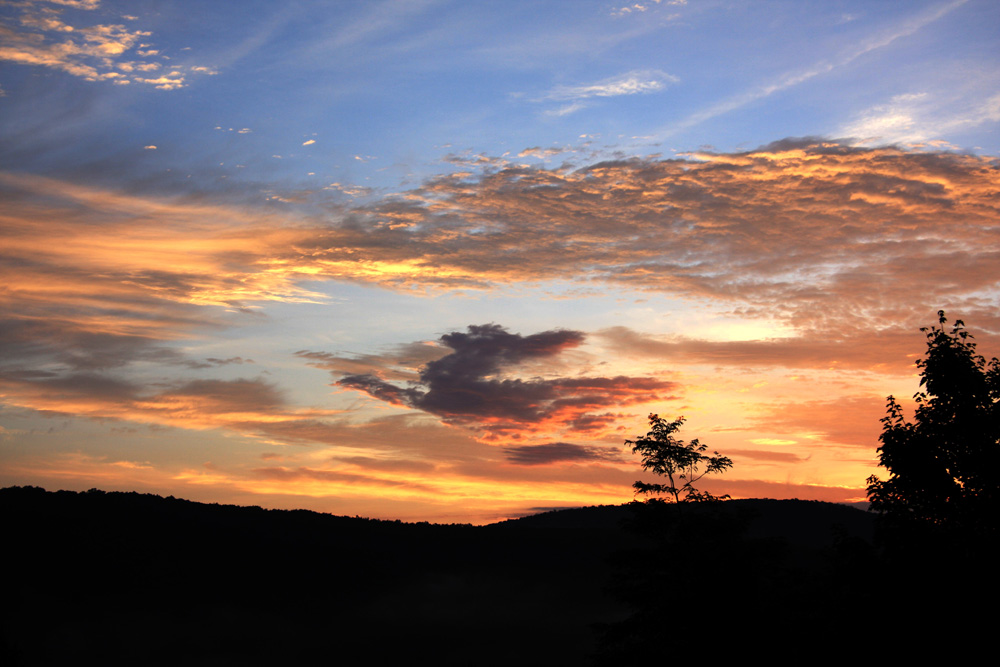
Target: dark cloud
[
  {"x": 241, "y": 395},
  {"x": 390, "y": 464},
  {"x": 382, "y": 390},
  {"x": 468, "y": 386},
  {"x": 247, "y": 405},
  {"x": 62, "y": 338},
  {"x": 230, "y": 360},
  {"x": 71, "y": 387},
  {"x": 556, "y": 452}
]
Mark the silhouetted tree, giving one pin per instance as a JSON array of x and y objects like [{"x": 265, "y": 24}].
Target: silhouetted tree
[
  {"x": 944, "y": 467},
  {"x": 678, "y": 461}
]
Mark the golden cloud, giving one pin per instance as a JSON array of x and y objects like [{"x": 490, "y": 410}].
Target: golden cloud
[{"x": 845, "y": 245}]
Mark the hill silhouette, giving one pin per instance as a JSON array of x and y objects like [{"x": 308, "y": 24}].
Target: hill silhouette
[{"x": 139, "y": 579}]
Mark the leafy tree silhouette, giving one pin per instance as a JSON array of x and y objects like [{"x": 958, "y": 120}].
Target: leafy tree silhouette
[
  {"x": 678, "y": 461},
  {"x": 944, "y": 467}
]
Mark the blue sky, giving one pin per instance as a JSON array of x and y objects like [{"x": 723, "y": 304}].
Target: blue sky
[
  {"x": 386, "y": 90},
  {"x": 216, "y": 222}
]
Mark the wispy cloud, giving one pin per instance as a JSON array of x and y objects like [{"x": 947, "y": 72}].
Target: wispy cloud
[
  {"x": 636, "y": 82},
  {"x": 566, "y": 109},
  {"x": 888, "y": 352},
  {"x": 643, "y": 7},
  {"x": 921, "y": 117},
  {"x": 795, "y": 78},
  {"x": 77, "y": 4},
  {"x": 377, "y": 19},
  {"x": 825, "y": 419},
  {"x": 631, "y": 83}
]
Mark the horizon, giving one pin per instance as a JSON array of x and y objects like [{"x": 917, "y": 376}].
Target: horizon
[
  {"x": 434, "y": 261},
  {"x": 543, "y": 510}
]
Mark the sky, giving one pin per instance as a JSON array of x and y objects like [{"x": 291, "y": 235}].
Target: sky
[{"x": 437, "y": 260}]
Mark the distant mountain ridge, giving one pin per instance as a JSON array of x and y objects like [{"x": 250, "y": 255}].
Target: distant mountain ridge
[{"x": 128, "y": 577}]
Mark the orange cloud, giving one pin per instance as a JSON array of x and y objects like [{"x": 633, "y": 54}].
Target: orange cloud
[
  {"x": 880, "y": 351},
  {"x": 846, "y": 247},
  {"x": 818, "y": 234},
  {"x": 852, "y": 420},
  {"x": 836, "y": 241}
]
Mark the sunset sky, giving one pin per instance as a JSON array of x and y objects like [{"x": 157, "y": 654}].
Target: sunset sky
[{"x": 437, "y": 260}]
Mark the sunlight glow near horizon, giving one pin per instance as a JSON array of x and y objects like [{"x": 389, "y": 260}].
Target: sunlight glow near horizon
[{"x": 265, "y": 270}]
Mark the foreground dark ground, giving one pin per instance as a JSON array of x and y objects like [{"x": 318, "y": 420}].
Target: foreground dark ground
[{"x": 124, "y": 578}]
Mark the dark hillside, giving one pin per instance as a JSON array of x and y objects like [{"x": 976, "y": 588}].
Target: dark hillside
[{"x": 139, "y": 579}]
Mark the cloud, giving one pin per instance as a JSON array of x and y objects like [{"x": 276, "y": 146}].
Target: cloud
[
  {"x": 243, "y": 405},
  {"x": 792, "y": 79},
  {"x": 889, "y": 123},
  {"x": 76, "y": 4},
  {"x": 851, "y": 421},
  {"x": 920, "y": 117},
  {"x": 566, "y": 109},
  {"x": 641, "y": 7},
  {"x": 310, "y": 142},
  {"x": 631, "y": 83},
  {"x": 339, "y": 478},
  {"x": 188, "y": 258},
  {"x": 171, "y": 81},
  {"x": 816, "y": 233},
  {"x": 761, "y": 455},
  {"x": 472, "y": 386},
  {"x": 851, "y": 248},
  {"x": 542, "y": 153},
  {"x": 230, "y": 360},
  {"x": 77, "y": 317},
  {"x": 558, "y": 452},
  {"x": 96, "y": 52},
  {"x": 848, "y": 247},
  {"x": 231, "y": 397},
  {"x": 881, "y": 351},
  {"x": 757, "y": 488},
  {"x": 402, "y": 362}
]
